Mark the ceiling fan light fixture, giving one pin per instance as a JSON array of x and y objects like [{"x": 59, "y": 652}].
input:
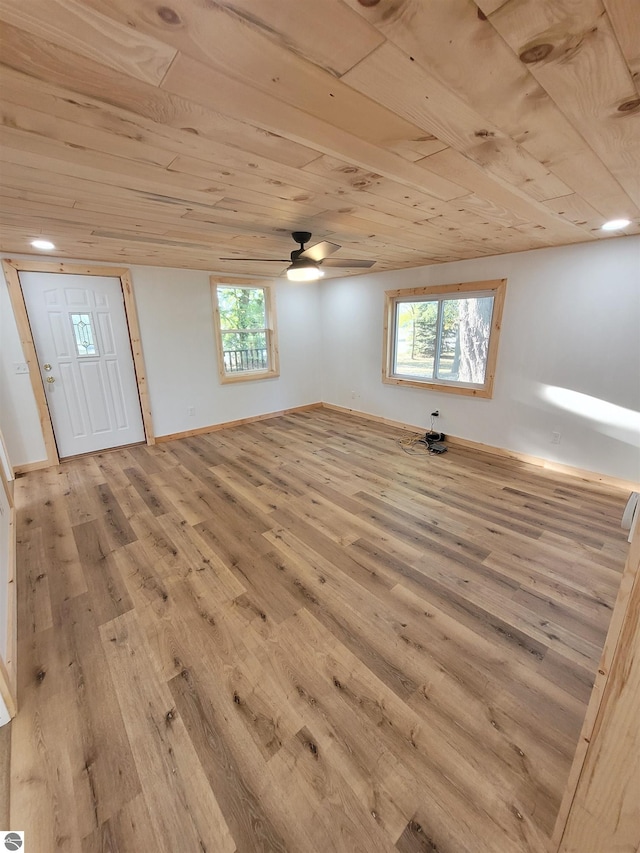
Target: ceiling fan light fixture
[{"x": 304, "y": 269}]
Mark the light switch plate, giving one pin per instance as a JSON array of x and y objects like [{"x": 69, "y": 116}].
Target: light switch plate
[{"x": 21, "y": 366}]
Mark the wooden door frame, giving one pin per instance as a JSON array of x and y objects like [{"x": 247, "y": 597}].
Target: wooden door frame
[
  {"x": 610, "y": 717},
  {"x": 8, "y": 667},
  {"x": 12, "y": 269}
]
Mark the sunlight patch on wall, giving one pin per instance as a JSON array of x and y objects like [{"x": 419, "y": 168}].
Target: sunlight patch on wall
[{"x": 613, "y": 420}]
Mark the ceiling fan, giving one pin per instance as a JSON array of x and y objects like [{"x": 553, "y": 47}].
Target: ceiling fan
[{"x": 306, "y": 263}]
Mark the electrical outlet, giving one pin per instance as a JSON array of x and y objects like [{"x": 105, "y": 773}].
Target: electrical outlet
[
  {"x": 555, "y": 437},
  {"x": 191, "y": 411}
]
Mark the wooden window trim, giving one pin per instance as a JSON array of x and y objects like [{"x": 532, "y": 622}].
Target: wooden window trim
[
  {"x": 272, "y": 331},
  {"x": 495, "y": 287}
]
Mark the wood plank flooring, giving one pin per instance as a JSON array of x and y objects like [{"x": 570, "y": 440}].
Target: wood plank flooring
[{"x": 294, "y": 636}]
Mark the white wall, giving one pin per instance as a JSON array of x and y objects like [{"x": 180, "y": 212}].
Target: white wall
[
  {"x": 4, "y": 714},
  {"x": 569, "y": 358},
  {"x": 19, "y": 422},
  {"x": 176, "y": 326},
  {"x": 571, "y": 323}
]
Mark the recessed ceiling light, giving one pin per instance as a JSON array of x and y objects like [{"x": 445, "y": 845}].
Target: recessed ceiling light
[
  {"x": 616, "y": 224},
  {"x": 45, "y": 245}
]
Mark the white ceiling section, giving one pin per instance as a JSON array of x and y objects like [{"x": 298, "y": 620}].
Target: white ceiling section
[{"x": 410, "y": 132}]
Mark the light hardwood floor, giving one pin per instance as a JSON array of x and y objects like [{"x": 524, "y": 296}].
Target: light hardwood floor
[{"x": 294, "y": 636}]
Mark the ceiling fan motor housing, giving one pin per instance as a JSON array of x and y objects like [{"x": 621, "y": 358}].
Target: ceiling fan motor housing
[{"x": 300, "y": 237}]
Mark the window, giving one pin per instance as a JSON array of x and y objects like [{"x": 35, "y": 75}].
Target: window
[
  {"x": 444, "y": 338},
  {"x": 245, "y": 327},
  {"x": 83, "y": 334}
]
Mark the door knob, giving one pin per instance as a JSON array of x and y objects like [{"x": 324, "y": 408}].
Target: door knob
[
  {"x": 46, "y": 367},
  {"x": 50, "y": 379}
]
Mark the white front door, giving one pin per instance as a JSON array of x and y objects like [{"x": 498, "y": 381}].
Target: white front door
[{"x": 82, "y": 341}]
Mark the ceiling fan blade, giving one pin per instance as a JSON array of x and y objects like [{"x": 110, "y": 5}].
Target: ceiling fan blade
[
  {"x": 347, "y": 262},
  {"x": 320, "y": 251},
  {"x": 269, "y": 260}
]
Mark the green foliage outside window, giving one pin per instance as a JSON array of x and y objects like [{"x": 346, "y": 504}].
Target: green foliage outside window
[{"x": 242, "y": 317}]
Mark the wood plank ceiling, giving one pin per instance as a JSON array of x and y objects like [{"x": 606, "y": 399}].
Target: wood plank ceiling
[{"x": 408, "y": 131}]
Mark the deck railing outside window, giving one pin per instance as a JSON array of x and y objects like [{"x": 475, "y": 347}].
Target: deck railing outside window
[{"x": 236, "y": 360}]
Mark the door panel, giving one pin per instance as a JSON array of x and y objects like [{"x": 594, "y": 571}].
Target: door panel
[
  {"x": 95, "y": 396},
  {"x": 82, "y": 341},
  {"x": 115, "y": 384}
]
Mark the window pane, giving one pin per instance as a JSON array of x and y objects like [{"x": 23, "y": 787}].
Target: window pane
[
  {"x": 241, "y": 307},
  {"x": 415, "y": 344},
  {"x": 244, "y": 351},
  {"x": 83, "y": 334},
  {"x": 465, "y": 326},
  {"x": 243, "y": 325}
]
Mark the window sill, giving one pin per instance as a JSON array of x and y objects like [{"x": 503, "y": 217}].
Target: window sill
[
  {"x": 485, "y": 392},
  {"x": 248, "y": 376}
]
